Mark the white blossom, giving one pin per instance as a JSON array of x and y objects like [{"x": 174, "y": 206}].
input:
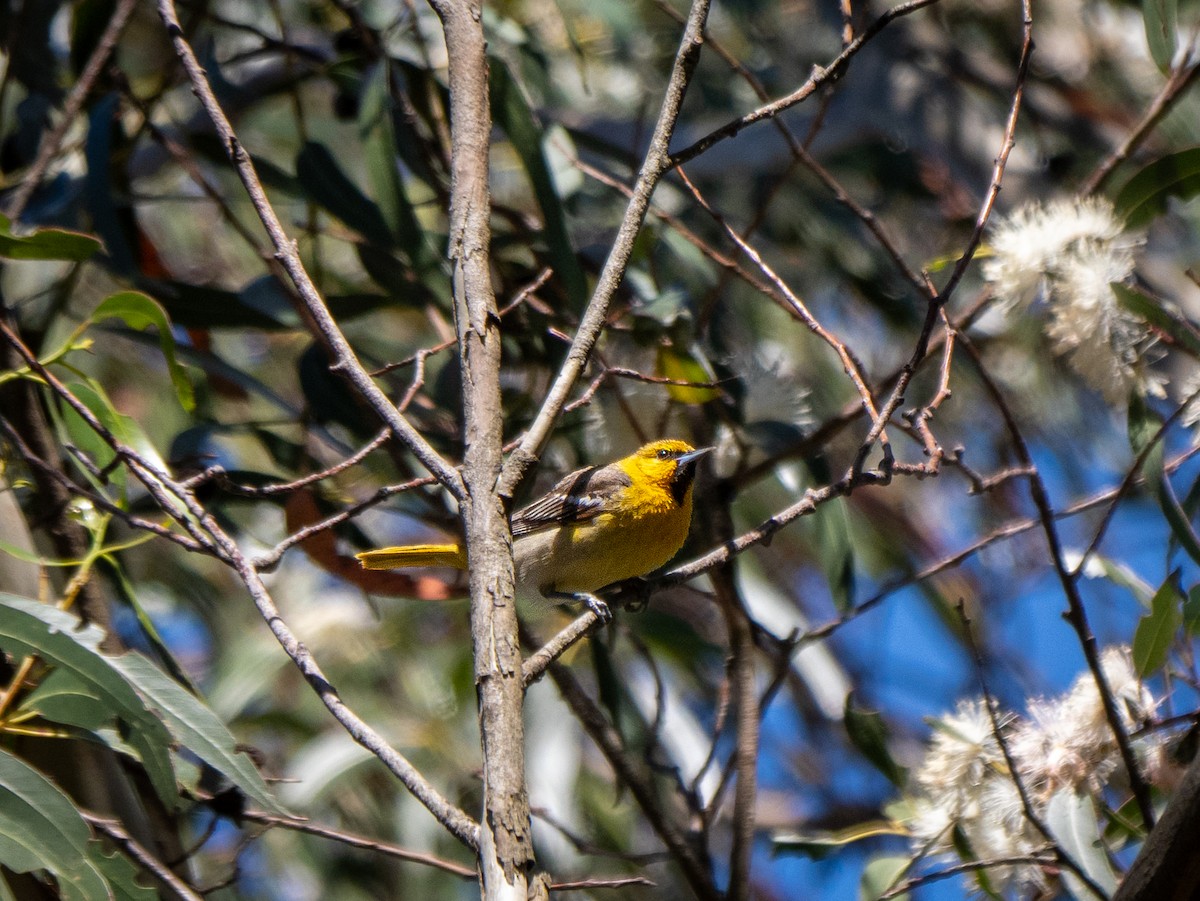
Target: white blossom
[
  {"x": 1069, "y": 253},
  {"x": 963, "y": 785}
]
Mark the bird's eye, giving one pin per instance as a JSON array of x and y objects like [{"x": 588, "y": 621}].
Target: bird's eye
[{"x": 664, "y": 453}]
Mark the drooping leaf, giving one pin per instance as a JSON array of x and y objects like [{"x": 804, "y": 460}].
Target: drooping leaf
[
  {"x": 837, "y": 555},
  {"x": 1098, "y": 565},
  {"x": 40, "y": 829},
  {"x": 63, "y": 698},
  {"x": 383, "y": 170},
  {"x": 28, "y": 627},
  {"x": 46, "y": 244},
  {"x": 1161, "y": 18},
  {"x": 1191, "y": 612},
  {"x": 1143, "y": 425},
  {"x": 83, "y": 437},
  {"x": 138, "y": 310},
  {"x": 88, "y": 688},
  {"x": 1161, "y": 316},
  {"x": 1071, "y": 819},
  {"x": 203, "y": 306},
  {"x": 1157, "y": 629},
  {"x": 112, "y": 219},
  {"x": 120, "y": 874},
  {"x": 881, "y": 874},
  {"x": 196, "y": 727},
  {"x": 820, "y": 844}
]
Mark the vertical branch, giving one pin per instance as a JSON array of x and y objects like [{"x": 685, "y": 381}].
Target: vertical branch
[
  {"x": 746, "y": 726},
  {"x": 505, "y": 849}
]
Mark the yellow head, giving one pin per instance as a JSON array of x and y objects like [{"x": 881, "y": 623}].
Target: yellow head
[{"x": 665, "y": 466}]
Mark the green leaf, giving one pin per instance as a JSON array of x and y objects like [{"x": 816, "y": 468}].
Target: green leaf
[
  {"x": 196, "y": 727},
  {"x": 27, "y": 627},
  {"x": 1162, "y": 316},
  {"x": 837, "y": 555},
  {"x": 121, "y": 875},
  {"x": 868, "y": 732},
  {"x": 512, "y": 114},
  {"x": 40, "y": 829},
  {"x": 1119, "y": 574},
  {"x": 329, "y": 186},
  {"x": 62, "y": 698},
  {"x": 1156, "y": 630},
  {"x": 1146, "y": 193},
  {"x": 1071, "y": 819},
  {"x": 1162, "y": 19},
  {"x": 86, "y": 439},
  {"x": 138, "y": 310},
  {"x": 1181, "y": 528},
  {"x": 46, "y": 244},
  {"x": 106, "y": 186},
  {"x": 881, "y": 874},
  {"x": 683, "y": 366}
]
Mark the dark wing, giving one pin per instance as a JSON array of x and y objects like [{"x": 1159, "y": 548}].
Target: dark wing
[{"x": 580, "y": 496}]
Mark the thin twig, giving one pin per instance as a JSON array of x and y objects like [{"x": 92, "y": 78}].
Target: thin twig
[
  {"x": 966, "y": 866},
  {"x": 301, "y": 824},
  {"x": 535, "y": 664},
  {"x": 820, "y": 77},
  {"x": 1077, "y": 613},
  {"x": 695, "y": 870},
  {"x": 181, "y": 504},
  {"x": 950, "y": 561},
  {"x": 286, "y": 252},
  {"x": 52, "y": 139},
  {"x": 1010, "y": 763},
  {"x": 591, "y": 324},
  {"x": 114, "y": 831},
  {"x": 794, "y": 305},
  {"x": 1180, "y": 80}
]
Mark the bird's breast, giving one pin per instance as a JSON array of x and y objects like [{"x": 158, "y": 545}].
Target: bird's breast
[{"x": 609, "y": 548}]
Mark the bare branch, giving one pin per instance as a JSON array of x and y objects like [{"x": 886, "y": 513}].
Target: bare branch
[
  {"x": 52, "y": 139},
  {"x": 591, "y": 324},
  {"x": 345, "y": 360}
]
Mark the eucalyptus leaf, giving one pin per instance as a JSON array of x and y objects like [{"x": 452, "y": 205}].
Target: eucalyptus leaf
[
  {"x": 46, "y": 244},
  {"x": 1157, "y": 629},
  {"x": 1071, "y": 819},
  {"x": 40, "y": 829},
  {"x": 138, "y": 310}
]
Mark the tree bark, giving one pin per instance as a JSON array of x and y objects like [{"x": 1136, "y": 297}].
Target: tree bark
[
  {"x": 505, "y": 847},
  {"x": 1168, "y": 867}
]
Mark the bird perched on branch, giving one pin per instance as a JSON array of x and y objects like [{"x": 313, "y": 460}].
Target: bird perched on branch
[{"x": 598, "y": 526}]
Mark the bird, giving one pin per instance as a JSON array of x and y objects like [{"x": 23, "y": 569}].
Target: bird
[{"x": 598, "y": 526}]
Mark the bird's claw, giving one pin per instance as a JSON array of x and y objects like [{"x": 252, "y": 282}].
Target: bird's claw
[{"x": 600, "y": 608}]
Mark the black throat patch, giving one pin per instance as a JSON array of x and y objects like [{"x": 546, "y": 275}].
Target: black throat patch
[{"x": 682, "y": 480}]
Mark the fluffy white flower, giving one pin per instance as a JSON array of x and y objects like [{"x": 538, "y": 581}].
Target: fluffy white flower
[
  {"x": 1190, "y": 387},
  {"x": 1069, "y": 253},
  {"x": 964, "y": 785},
  {"x": 1029, "y": 246},
  {"x": 963, "y": 789}
]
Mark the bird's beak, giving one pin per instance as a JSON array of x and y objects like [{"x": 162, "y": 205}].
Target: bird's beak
[{"x": 691, "y": 456}]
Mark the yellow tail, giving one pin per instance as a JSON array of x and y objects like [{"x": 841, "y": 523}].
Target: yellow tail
[{"x": 414, "y": 555}]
